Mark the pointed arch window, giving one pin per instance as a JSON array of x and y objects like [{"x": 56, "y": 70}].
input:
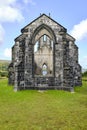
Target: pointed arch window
[
  {"x": 44, "y": 38},
  {"x": 43, "y": 52},
  {"x": 44, "y": 69}
]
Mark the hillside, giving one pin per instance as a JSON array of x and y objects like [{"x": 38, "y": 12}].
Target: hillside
[
  {"x": 5, "y": 61},
  {"x": 4, "y": 65},
  {"x": 84, "y": 70},
  {"x": 4, "y": 68}
]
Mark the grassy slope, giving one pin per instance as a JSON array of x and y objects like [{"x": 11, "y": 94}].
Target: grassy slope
[
  {"x": 4, "y": 65},
  {"x": 51, "y": 110},
  {"x": 4, "y": 62}
]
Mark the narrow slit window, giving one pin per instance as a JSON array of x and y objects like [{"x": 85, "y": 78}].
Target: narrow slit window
[
  {"x": 44, "y": 38},
  {"x": 36, "y": 46}
]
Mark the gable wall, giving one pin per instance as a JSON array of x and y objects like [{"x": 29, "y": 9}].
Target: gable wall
[{"x": 63, "y": 61}]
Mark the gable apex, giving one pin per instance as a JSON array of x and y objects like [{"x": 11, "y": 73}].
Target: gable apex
[{"x": 41, "y": 16}]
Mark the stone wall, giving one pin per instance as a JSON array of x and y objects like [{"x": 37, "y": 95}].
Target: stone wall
[{"x": 66, "y": 71}]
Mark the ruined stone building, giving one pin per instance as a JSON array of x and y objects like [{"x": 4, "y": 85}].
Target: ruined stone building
[{"x": 44, "y": 56}]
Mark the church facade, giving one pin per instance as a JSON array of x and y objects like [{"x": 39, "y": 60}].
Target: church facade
[{"x": 44, "y": 56}]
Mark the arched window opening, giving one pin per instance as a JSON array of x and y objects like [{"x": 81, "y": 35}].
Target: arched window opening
[
  {"x": 44, "y": 38},
  {"x": 44, "y": 69},
  {"x": 43, "y": 54},
  {"x": 36, "y": 46}
]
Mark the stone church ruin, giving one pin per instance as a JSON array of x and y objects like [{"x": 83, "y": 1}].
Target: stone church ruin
[{"x": 44, "y": 56}]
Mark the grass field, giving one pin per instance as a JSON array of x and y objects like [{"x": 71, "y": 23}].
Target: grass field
[{"x": 50, "y": 110}]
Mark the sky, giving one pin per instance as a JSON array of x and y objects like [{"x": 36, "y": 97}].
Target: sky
[{"x": 15, "y": 14}]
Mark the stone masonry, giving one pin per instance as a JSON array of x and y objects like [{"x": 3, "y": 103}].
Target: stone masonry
[{"x": 44, "y": 56}]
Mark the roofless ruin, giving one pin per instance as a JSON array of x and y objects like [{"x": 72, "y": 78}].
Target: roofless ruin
[{"x": 44, "y": 56}]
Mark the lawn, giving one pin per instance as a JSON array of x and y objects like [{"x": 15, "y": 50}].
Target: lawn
[{"x": 48, "y": 110}]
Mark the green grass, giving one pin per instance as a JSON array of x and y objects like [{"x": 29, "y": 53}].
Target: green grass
[{"x": 50, "y": 110}]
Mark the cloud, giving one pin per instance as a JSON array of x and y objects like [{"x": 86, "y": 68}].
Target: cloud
[
  {"x": 83, "y": 62},
  {"x": 85, "y": 59},
  {"x": 29, "y": 1},
  {"x": 7, "y": 52},
  {"x": 7, "y": 2},
  {"x": 9, "y": 12},
  {"x": 79, "y": 31},
  {"x": 1, "y": 34}
]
